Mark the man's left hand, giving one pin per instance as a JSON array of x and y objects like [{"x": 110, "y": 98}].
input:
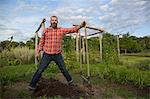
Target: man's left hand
[{"x": 83, "y": 24}]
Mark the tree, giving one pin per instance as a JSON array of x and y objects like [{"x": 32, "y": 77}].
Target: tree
[
  {"x": 30, "y": 44},
  {"x": 130, "y": 44},
  {"x": 21, "y": 44},
  {"x": 14, "y": 44}
]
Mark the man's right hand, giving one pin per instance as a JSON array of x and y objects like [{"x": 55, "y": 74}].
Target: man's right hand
[{"x": 37, "y": 53}]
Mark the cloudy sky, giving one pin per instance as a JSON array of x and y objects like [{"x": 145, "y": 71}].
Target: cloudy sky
[{"x": 21, "y": 18}]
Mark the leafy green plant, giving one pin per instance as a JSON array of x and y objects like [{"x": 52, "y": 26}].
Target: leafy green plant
[{"x": 6, "y": 58}]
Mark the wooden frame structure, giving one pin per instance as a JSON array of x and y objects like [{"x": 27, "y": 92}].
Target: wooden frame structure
[{"x": 82, "y": 51}]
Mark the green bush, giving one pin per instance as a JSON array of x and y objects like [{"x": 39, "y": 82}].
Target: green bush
[{"x": 6, "y": 58}]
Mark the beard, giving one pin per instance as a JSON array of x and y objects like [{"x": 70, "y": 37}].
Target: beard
[{"x": 54, "y": 25}]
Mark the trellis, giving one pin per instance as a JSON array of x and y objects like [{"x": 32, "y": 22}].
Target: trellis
[{"x": 82, "y": 50}]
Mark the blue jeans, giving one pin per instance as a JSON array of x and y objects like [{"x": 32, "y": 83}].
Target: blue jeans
[{"x": 46, "y": 59}]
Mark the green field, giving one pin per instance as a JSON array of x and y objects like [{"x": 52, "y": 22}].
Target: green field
[
  {"x": 132, "y": 59},
  {"x": 112, "y": 81}
]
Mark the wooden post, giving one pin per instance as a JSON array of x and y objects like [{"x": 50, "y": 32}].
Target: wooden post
[
  {"x": 87, "y": 53},
  {"x": 43, "y": 27},
  {"x": 80, "y": 54},
  {"x": 77, "y": 47},
  {"x": 100, "y": 42},
  {"x": 36, "y": 46},
  {"x": 83, "y": 50},
  {"x": 118, "y": 47}
]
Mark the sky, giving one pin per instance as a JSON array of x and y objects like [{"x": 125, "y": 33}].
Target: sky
[{"x": 21, "y": 18}]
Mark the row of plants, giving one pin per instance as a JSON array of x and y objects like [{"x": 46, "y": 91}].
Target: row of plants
[{"x": 119, "y": 74}]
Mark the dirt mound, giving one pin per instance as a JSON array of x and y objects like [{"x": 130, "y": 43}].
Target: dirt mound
[{"x": 51, "y": 88}]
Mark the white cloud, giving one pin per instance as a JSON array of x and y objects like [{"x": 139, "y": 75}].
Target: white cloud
[
  {"x": 114, "y": 1},
  {"x": 123, "y": 14},
  {"x": 115, "y": 15},
  {"x": 104, "y": 7}
]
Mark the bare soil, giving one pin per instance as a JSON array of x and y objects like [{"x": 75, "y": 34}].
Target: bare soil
[{"x": 50, "y": 87}]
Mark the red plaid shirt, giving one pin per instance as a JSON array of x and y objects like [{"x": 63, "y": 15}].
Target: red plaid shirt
[{"x": 51, "y": 39}]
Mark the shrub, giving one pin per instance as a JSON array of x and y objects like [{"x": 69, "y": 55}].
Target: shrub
[{"x": 6, "y": 58}]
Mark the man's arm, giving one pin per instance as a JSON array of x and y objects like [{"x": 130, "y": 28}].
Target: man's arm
[{"x": 74, "y": 29}]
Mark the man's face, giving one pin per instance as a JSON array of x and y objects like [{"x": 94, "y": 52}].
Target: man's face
[{"x": 54, "y": 22}]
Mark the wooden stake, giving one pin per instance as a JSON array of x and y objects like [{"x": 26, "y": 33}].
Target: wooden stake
[
  {"x": 80, "y": 54},
  {"x": 118, "y": 47},
  {"x": 77, "y": 47},
  {"x": 83, "y": 50},
  {"x": 43, "y": 27},
  {"x": 87, "y": 53},
  {"x": 93, "y": 28},
  {"x": 100, "y": 45},
  {"x": 36, "y": 46}
]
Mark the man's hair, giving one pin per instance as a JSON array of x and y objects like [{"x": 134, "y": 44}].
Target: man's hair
[{"x": 54, "y": 16}]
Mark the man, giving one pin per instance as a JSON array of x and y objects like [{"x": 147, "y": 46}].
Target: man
[{"x": 50, "y": 43}]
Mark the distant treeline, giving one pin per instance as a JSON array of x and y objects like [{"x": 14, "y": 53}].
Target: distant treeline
[{"x": 128, "y": 44}]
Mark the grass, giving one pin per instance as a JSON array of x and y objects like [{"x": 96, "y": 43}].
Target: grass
[
  {"x": 11, "y": 74},
  {"x": 105, "y": 72},
  {"x": 124, "y": 93},
  {"x": 132, "y": 59},
  {"x": 23, "y": 94}
]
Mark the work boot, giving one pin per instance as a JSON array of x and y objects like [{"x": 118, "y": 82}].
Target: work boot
[
  {"x": 30, "y": 88},
  {"x": 71, "y": 83}
]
